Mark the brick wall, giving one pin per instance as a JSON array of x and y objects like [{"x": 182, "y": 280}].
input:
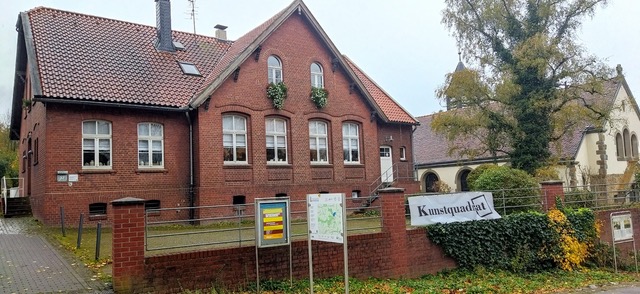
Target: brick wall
[
  {"x": 395, "y": 252},
  {"x": 61, "y": 150}
]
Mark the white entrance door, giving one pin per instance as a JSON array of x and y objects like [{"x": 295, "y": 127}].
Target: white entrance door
[{"x": 386, "y": 164}]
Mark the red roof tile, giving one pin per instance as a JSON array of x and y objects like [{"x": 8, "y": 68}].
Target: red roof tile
[
  {"x": 91, "y": 58},
  {"x": 390, "y": 108}
]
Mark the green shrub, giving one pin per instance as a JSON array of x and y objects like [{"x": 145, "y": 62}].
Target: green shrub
[
  {"x": 522, "y": 242},
  {"x": 514, "y": 190},
  {"x": 474, "y": 174}
]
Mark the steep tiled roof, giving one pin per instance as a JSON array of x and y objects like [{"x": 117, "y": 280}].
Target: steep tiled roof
[
  {"x": 91, "y": 58},
  {"x": 391, "y": 108},
  {"x": 237, "y": 48},
  {"x": 433, "y": 149}
]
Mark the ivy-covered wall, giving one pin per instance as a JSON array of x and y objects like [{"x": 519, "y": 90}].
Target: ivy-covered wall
[{"x": 521, "y": 242}]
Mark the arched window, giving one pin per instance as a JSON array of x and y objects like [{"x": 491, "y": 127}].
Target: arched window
[
  {"x": 627, "y": 143},
  {"x": 318, "y": 142},
  {"x": 317, "y": 79},
  {"x": 275, "y": 69},
  {"x": 634, "y": 146},
  {"x": 350, "y": 143},
  {"x": 234, "y": 138},
  {"x": 96, "y": 144},
  {"x": 276, "y": 139},
  {"x": 462, "y": 180},
  {"x": 150, "y": 145},
  {"x": 430, "y": 182},
  {"x": 619, "y": 146}
]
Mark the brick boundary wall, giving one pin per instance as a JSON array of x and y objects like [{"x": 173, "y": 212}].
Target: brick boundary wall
[
  {"x": 625, "y": 249},
  {"x": 394, "y": 252}
]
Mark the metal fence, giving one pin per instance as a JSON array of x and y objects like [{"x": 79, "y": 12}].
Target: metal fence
[
  {"x": 225, "y": 226},
  {"x": 597, "y": 197}
]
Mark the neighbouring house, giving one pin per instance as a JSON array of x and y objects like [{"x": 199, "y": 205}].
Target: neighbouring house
[
  {"x": 106, "y": 109},
  {"x": 604, "y": 156}
]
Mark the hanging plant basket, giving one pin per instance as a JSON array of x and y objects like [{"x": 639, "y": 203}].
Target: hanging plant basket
[
  {"x": 319, "y": 97},
  {"x": 277, "y": 93},
  {"x": 26, "y": 103}
]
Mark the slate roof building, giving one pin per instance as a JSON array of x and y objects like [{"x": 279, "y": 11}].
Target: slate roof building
[
  {"x": 105, "y": 109},
  {"x": 592, "y": 155}
]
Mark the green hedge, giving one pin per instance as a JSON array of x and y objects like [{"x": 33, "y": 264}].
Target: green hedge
[
  {"x": 522, "y": 242},
  {"x": 512, "y": 188}
]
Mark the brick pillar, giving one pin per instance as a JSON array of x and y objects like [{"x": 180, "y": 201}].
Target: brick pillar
[
  {"x": 394, "y": 225},
  {"x": 550, "y": 191},
  {"x": 128, "y": 244}
]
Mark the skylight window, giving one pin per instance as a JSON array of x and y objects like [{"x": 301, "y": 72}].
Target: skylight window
[
  {"x": 178, "y": 45},
  {"x": 189, "y": 68}
]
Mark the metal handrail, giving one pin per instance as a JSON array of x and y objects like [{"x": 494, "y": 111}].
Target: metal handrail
[
  {"x": 379, "y": 182},
  {"x": 4, "y": 194}
]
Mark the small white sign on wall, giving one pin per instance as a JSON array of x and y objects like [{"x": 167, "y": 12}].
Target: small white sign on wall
[{"x": 73, "y": 177}]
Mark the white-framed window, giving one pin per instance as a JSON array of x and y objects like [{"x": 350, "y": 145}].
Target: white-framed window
[
  {"x": 150, "y": 145},
  {"x": 403, "y": 153},
  {"x": 96, "y": 144},
  {"x": 318, "y": 142},
  {"x": 276, "y": 139},
  {"x": 317, "y": 78},
  {"x": 275, "y": 69},
  {"x": 234, "y": 138},
  {"x": 351, "y": 143}
]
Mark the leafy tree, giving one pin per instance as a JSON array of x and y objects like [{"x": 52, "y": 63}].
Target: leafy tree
[
  {"x": 530, "y": 79},
  {"x": 8, "y": 153}
]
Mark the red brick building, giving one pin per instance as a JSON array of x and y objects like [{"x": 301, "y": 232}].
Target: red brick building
[{"x": 106, "y": 109}]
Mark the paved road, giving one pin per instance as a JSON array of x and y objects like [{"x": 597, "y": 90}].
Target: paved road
[{"x": 29, "y": 264}]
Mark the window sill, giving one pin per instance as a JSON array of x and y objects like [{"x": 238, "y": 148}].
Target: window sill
[
  {"x": 157, "y": 213},
  {"x": 97, "y": 171},
  {"x": 279, "y": 165},
  {"x": 98, "y": 217},
  {"x": 347, "y": 165},
  {"x": 151, "y": 170},
  {"x": 321, "y": 164},
  {"x": 236, "y": 165}
]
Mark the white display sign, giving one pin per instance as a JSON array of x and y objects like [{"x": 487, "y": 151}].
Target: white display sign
[
  {"x": 459, "y": 207},
  {"x": 622, "y": 227},
  {"x": 325, "y": 217}
]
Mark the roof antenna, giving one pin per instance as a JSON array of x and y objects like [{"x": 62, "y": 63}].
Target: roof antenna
[{"x": 192, "y": 14}]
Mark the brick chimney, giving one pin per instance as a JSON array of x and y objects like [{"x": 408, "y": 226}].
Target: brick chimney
[
  {"x": 220, "y": 32},
  {"x": 164, "y": 40}
]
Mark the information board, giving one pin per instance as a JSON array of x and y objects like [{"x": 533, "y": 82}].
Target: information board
[
  {"x": 272, "y": 216},
  {"x": 326, "y": 222}
]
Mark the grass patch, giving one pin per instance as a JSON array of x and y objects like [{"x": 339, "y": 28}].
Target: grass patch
[{"x": 479, "y": 280}]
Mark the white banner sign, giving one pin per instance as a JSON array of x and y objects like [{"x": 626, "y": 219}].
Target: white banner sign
[{"x": 460, "y": 207}]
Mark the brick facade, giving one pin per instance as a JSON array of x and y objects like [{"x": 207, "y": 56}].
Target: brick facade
[{"x": 57, "y": 128}]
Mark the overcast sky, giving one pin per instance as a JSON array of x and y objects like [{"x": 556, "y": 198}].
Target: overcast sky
[{"x": 400, "y": 44}]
